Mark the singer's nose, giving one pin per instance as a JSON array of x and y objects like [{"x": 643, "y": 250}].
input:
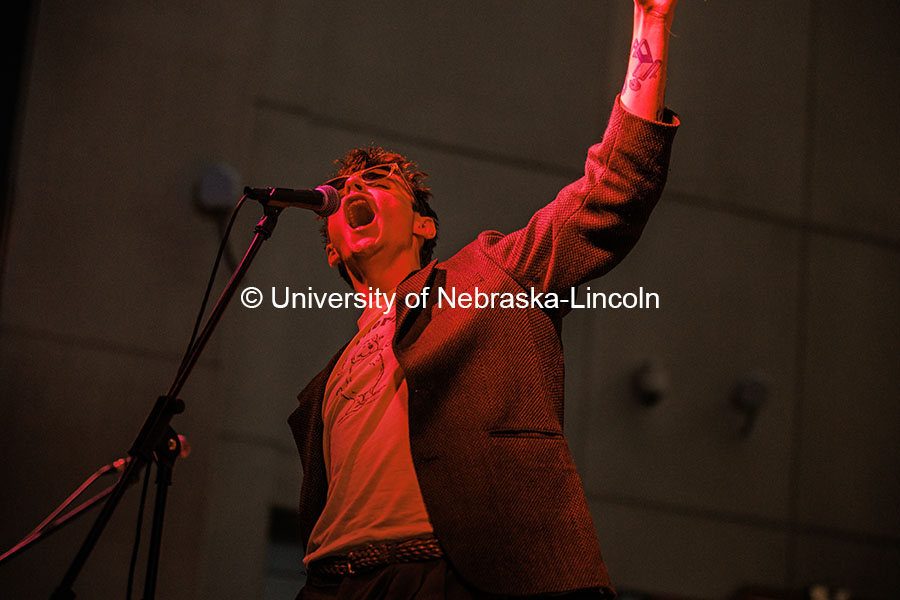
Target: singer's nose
[{"x": 354, "y": 183}]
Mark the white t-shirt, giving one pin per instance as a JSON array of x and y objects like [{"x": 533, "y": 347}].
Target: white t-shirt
[{"x": 373, "y": 493}]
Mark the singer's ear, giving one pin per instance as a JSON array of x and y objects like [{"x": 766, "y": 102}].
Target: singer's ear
[
  {"x": 424, "y": 226},
  {"x": 334, "y": 258}
]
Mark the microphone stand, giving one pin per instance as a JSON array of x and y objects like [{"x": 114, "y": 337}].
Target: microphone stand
[{"x": 157, "y": 439}]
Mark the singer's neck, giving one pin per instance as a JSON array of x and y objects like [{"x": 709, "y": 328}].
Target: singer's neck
[{"x": 380, "y": 274}]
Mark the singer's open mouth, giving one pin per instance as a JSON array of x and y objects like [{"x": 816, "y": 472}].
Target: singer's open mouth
[{"x": 358, "y": 213}]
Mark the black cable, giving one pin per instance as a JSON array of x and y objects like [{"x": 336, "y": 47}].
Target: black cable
[
  {"x": 137, "y": 535},
  {"x": 230, "y": 261},
  {"x": 212, "y": 277},
  {"x": 187, "y": 353}
]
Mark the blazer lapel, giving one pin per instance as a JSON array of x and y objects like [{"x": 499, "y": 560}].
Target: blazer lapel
[{"x": 412, "y": 285}]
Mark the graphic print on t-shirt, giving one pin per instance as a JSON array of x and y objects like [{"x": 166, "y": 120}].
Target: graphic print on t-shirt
[{"x": 363, "y": 378}]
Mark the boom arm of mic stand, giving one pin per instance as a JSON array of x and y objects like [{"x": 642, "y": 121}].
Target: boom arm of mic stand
[
  {"x": 55, "y": 521},
  {"x": 156, "y": 426}
]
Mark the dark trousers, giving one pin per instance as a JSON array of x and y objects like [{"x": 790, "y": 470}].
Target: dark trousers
[{"x": 423, "y": 580}]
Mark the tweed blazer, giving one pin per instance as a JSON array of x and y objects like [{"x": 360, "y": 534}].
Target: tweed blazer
[{"x": 486, "y": 384}]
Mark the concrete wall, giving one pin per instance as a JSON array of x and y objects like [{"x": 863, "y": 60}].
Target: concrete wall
[{"x": 774, "y": 252}]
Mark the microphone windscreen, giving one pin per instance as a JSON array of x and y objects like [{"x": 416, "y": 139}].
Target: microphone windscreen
[{"x": 332, "y": 201}]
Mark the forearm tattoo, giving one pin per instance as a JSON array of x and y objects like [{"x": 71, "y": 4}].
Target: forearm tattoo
[{"x": 647, "y": 68}]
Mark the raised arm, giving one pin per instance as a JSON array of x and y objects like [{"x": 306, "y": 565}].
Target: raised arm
[
  {"x": 595, "y": 221},
  {"x": 645, "y": 82}
]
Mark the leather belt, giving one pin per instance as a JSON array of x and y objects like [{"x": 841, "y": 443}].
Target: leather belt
[{"x": 372, "y": 556}]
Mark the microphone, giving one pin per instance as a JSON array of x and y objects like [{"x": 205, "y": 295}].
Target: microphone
[{"x": 324, "y": 200}]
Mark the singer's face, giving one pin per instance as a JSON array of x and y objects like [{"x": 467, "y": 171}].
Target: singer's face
[{"x": 376, "y": 219}]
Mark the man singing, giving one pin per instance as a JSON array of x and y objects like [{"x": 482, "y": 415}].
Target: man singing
[{"x": 434, "y": 462}]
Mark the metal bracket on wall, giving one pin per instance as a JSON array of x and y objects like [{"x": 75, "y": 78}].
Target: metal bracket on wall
[{"x": 750, "y": 395}]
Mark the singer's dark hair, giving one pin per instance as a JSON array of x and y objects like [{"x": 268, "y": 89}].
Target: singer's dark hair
[{"x": 363, "y": 158}]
